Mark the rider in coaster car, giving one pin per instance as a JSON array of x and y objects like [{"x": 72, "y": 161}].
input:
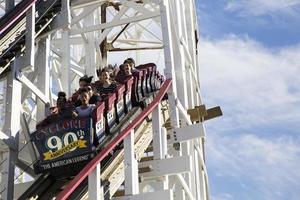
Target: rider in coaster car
[
  {"x": 63, "y": 110},
  {"x": 94, "y": 97},
  {"x": 83, "y": 82},
  {"x": 105, "y": 85},
  {"x": 86, "y": 109},
  {"x": 124, "y": 74},
  {"x": 131, "y": 63}
]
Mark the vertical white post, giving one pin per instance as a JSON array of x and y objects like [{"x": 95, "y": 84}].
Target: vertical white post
[
  {"x": 43, "y": 76},
  {"x": 159, "y": 145},
  {"x": 95, "y": 188},
  {"x": 65, "y": 64},
  {"x": 157, "y": 135},
  {"x": 198, "y": 169},
  {"x": 170, "y": 73},
  {"x": 90, "y": 47},
  {"x": 188, "y": 34},
  {"x": 30, "y": 37},
  {"x": 191, "y": 31},
  {"x": 169, "y": 60},
  {"x": 179, "y": 59},
  {"x": 11, "y": 129},
  {"x": 131, "y": 166},
  {"x": 26, "y": 62}
]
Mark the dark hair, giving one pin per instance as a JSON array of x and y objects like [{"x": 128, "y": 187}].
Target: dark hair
[
  {"x": 86, "y": 79},
  {"x": 105, "y": 69},
  {"x": 129, "y": 60},
  {"x": 122, "y": 67},
  {"x": 61, "y": 94},
  {"x": 83, "y": 90}
]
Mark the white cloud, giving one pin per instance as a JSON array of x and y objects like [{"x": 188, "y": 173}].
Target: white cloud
[
  {"x": 256, "y": 87},
  {"x": 268, "y": 168},
  {"x": 262, "y": 7},
  {"x": 253, "y": 84},
  {"x": 222, "y": 196}
]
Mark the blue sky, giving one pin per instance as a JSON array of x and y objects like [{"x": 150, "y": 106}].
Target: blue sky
[{"x": 250, "y": 66}]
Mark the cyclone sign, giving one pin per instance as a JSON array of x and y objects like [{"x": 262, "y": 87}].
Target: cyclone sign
[{"x": 61, "y": 142}]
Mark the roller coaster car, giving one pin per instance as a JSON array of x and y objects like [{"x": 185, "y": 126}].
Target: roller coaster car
[
  {"x": 137, "y": 87},
  {"x": 66, "y": 145},
  {"x": 150, "y": 68}
]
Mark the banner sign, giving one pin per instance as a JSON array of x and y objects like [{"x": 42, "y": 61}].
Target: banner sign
[{"x": 65, "y": 142}]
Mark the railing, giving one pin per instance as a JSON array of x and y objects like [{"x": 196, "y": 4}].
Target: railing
[
  {"x": 16, "y": 16},
  {"x": 84, "y": 173}
]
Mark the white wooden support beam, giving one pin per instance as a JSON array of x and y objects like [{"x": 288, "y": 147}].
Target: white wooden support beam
[
  {"x": 170, "y": 73},
  {"x": 11, "y": 129},
  {"x": 190, "y": 132},
  {"x": 64, "y": 74},
  {"x": 7, "y": 143},
  {"x": 23, "y": 79},
  {"x": 102, "y": 36},
  {"x": 90, "y": 47},
  {"x": 26, "y": 62},
  {"x": 31, "y": 76},
  {"x": 61, "y": 56},
  {"x": 186, "y": 147},
  {"x": 116, "y": 18},
  {"x": 78, "y": 40},
  {"x": 20, "y": 188},
  {"x": 25, "y": 167},
  {"x": 164, "y": 141},
  {"x": 77, "y": 4},
  {"x": 79, "y": 25},
  {"x": 116, "y": 23},
  {"x": 185, "y": 187},
  {"x": 26, "y": 133},
  {"x": 203, "y": 177},
  {"x": 169, "y": 59},
  {"x": 202, "y": 163},
  {"x": 138, "y": 7},
  {"x": 43, "y": 77},
  {"x": 183, "y": 111},
  {"x": 159, "y": 148},
  {"x": 157, "y": 135},
  {"x": 3, "y": 136},
  {"x": 191, "y": 67},
  {"x": 87, "y": 11},
  {"x": 131, "y": 167},
  {"x": 190, "y": 27},
  {"x": 184, "y": 36},
  {"x": 169, "y": 166},
  {"x": 55, "y": 74},
  {"x": 161, "y": 195},
  {"x": 94, "y": 185},
  {"x": 13, "y": 104},
  {"x": 77, "y": 72},
  {"x": 63, "y": 20},
  {"x": 198, "y": 170},
  {"x": 179, "y": 60}
]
